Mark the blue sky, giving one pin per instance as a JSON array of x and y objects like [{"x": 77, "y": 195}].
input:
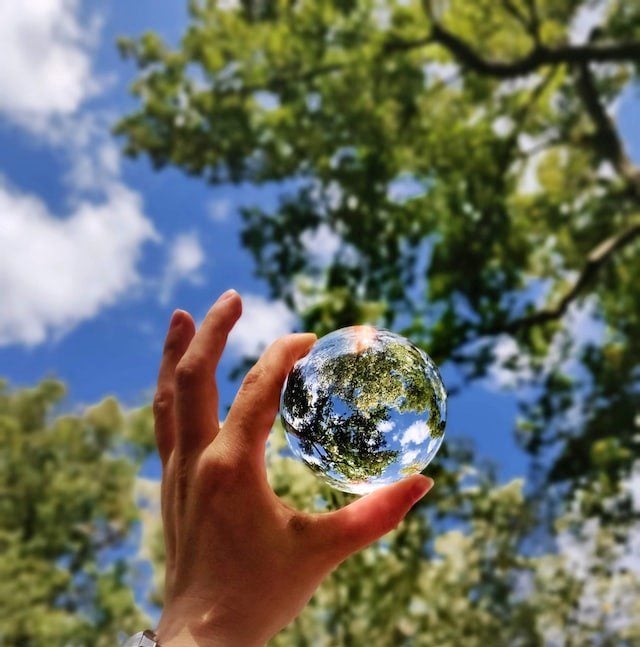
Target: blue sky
[{"x": 98, "y": 250}]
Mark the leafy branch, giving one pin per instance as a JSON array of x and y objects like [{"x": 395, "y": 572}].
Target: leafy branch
[
  {"x": 596, "y": 260},
  {"x": 540, "y": 55},
  {"x": 606, "y": 140}
]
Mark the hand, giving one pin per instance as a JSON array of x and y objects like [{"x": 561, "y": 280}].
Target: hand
[{"x": 242, "y": 564}]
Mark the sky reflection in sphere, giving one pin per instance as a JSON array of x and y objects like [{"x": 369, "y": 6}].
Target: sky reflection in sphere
[{"x": 364, "y": 408}]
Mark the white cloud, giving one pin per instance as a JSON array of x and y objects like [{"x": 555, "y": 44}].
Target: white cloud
[
  {"x": 410, "y": 456},
  {"x": 417, "y": 432},
  {"x": 186, "y": 257},
  {"x": 589, "y": 15},
  {"x": 385, "y": 426},
  {"x": 261, "y": 323},
  {"x": 499, "y": 375},
  {"x": 93, "y": 168},
  {"x": 321, "y": 244},
  {"x": 219, "y": 209},
  {"x": 45, "y": 68},
  {"x": 510, "y": 366},
  {"x": 56, "y": 272}
]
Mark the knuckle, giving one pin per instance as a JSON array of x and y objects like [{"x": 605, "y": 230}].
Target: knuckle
[
  {"x": 215, "y": 474},
  {"x": 162, "y": 402},
  {"x": 188, "y": 373},
  {"x": 252, "y": 378}
]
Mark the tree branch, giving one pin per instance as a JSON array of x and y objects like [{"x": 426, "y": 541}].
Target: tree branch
[
  {"x": 535, "y": 20},
  {"x": 540, "y": 55},
  {"x": 515, "y": 11},
  {"x": 596, "y": 260},
  {"x": 401, "y": 45},
  {"x": 606, "y": 140}
]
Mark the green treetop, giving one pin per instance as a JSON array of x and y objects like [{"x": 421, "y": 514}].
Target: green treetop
[
  {"x": 66, "y": 502},
  {"x": 463, "y": 157}
]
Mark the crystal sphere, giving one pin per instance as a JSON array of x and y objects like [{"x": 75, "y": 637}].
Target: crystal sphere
[{"x": 364, "y": 408}]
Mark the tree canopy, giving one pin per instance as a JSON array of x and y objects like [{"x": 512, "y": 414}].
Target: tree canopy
[
  {"x": 461, "y": 167},
  {"x": 462, "y": 159},
  {"x": 67, "y": 510}
]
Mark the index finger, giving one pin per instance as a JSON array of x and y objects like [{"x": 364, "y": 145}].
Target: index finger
[{"x": 254, "y": 410}]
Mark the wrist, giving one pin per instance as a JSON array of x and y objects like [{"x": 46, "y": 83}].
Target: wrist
[
  {"x": 186, "y": 637},
  {"x": 185, "y": 625}
]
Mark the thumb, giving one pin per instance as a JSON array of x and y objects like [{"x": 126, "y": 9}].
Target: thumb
[{"x": 363, "y": 521}]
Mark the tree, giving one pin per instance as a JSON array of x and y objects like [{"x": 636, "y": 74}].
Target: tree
[
  {"x": 425, "y": 586},
  {"x": 473, "y": 133},
  {"x": 66, "y": 508},
  {"x": 461, "y": 158}
]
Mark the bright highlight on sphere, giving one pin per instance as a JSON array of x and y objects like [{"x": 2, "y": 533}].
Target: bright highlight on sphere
[{"x": 364, "y": 408}]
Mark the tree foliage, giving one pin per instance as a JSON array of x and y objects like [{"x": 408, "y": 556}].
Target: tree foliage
[
  {"x": 460, "y": 163},
  {"x": 67, "y": 509},
  {"x": 461, "y": 156}
]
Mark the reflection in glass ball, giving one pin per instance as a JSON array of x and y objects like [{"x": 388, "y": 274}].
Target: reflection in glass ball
[{"x": 364, "y": 408}]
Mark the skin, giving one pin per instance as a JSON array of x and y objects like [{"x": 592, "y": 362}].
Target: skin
[{"x": 241, "y": 563}]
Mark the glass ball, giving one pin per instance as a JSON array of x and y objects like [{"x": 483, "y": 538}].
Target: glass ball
[{"x": 364, "y": 408}]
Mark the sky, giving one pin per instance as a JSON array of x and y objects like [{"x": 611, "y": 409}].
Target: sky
[{"x": 97, "y": 250}]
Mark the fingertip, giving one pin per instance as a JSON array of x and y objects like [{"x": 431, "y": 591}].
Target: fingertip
[
  {"x": 419, "y": 486},
  {"x": 229, "y": 298},
  {"x": 305, "y": 338},
  {"x": 227, "y": 308},
  {"x": 175, "y": 316},
  {"x": 181, "y": 323},
  {"x": 298, "y": 345},
  {"x": 180, "y": 316}
]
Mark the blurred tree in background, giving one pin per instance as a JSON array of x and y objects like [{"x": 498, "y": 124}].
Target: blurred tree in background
[
  {"x": 458, "y": 163},
  {"x": 66, "y": 511}
]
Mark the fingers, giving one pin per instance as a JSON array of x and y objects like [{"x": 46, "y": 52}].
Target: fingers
[
  {"x": 367, "y": 519},
  {"x": 254, "y": 410},
  {"x": 181, "y": 332},
  {"x": 197, "y": 394}
]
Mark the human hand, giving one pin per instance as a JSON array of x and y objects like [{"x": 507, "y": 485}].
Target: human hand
[{"x": 240, "y": 563}]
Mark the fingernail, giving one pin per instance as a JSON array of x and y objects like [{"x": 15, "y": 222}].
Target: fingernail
[
  {"x": 175, "y": 318},
  {"x": 303, "y": 335},
  {"x": 421, "y": 488},
  {"x": 225, "y": 296}
]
